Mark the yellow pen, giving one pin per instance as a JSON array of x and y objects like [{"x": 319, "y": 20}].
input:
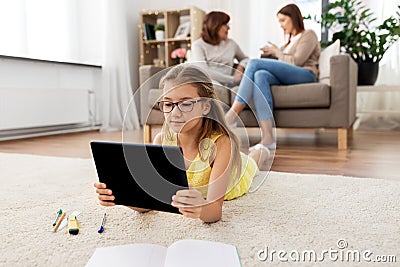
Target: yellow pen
[{"x": 59, "y": 221}]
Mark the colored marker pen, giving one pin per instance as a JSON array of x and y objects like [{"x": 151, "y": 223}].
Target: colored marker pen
[
  {"x": 101, "y": 229},
  {"x": 58, "y": 216},
  {"x": 59, "y": 221}
]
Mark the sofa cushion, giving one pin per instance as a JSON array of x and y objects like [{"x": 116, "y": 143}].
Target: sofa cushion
[
  {"x": 306, "y": 95},
  {"x": 324, "y": 61}
]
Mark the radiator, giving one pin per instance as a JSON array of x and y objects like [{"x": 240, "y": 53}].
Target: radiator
[{"x": 30, "y": 108}]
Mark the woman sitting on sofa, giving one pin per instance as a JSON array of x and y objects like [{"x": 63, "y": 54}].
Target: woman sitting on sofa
[
  {"x": 216, "y": 53},
  {"x": 297, "y": 63}
]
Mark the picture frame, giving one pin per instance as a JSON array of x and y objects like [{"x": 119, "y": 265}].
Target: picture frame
[{"x": 183, "y": 30}]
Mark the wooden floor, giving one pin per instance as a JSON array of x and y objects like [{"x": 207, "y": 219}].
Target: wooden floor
[{"x": 374, "y": 154}]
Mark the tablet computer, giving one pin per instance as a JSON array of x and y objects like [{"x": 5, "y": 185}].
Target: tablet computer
[{"x": 141, "y": 175}]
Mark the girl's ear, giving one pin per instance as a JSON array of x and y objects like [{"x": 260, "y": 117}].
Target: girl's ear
[{"x": 206, "y": 107}]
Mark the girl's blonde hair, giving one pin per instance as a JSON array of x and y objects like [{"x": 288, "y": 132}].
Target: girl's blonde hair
[{"x": 214, "y": 122}]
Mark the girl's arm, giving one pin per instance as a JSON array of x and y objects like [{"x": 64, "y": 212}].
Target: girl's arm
[
  {"x": 191, "y": 203},
  {"x": 106, "y": 197},
  {"x": 157, "y": 139}
]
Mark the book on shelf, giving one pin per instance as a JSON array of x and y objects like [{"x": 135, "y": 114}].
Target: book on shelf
[
  {"x": 149, "y": 33},
  {"x": 181, "y": 253}
]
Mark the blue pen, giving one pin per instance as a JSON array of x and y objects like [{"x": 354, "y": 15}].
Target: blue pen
[{"x": 101, "y": 229}]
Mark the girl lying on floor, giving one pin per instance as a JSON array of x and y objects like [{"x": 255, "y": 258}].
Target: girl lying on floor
[{"x": 194, "y": 120}]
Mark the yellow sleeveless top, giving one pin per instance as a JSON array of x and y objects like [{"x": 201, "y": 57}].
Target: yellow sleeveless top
[{"x": 199, "y": 171}]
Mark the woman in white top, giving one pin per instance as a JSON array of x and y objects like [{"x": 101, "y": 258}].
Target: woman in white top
[{"x": 216, "y": 53}]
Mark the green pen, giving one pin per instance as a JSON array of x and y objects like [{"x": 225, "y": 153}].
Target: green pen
[{"x": 58, "y": 216}]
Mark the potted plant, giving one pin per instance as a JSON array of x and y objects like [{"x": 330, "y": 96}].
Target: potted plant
[
  {"x": 364, "y": 43},
  {"x": 159, "y": 29}
]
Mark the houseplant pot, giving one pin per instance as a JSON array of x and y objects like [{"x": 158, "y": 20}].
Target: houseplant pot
[
  {"x": 367, "y": 72},
  {"x": 160, "y": 35},
  {"x": 159, "y": 31},
  {"x": 365, "y": 44}
]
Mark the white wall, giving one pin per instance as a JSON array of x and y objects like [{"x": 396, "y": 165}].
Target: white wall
[
  {"x": 254, "y": 23},
  {"x": 37, "y": 93}
]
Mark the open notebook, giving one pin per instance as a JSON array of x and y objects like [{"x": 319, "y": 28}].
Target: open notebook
[{"x": 182, "y": 253}]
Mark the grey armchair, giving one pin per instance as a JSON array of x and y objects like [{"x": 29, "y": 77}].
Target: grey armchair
[{"x": 312, "y": 105}]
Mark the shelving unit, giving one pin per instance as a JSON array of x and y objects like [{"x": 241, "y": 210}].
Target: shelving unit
[{"x": 151, "y": 50}]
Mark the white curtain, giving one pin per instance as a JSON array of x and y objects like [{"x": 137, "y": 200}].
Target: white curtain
[
  {"x": 389, "y": 74},
  {"x": 119, "y": 109}
]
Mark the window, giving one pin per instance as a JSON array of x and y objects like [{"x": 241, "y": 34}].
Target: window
[
  {"x": 311, "y": 8},
  {"x": 58, "y": 30}
]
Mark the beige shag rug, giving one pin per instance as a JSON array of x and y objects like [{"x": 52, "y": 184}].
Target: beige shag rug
[{"x": 289, "y": 212}]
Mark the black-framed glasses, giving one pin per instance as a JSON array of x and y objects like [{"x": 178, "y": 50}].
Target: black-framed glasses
[{"x": 183, "y": 105}]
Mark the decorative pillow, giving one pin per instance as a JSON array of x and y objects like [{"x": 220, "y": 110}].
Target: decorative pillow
[{"x": 324, "y": 61}]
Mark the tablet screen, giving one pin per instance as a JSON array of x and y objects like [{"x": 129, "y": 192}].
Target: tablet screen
[{"x": 141, "y": 175}]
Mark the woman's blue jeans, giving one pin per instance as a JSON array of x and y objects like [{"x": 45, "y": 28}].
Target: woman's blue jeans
[{"x": 258, "y": 77}]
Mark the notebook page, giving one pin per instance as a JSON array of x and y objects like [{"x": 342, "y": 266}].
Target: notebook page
[
  {"x": 200, "y": 253},
  {"x": 146, "y": 255}
]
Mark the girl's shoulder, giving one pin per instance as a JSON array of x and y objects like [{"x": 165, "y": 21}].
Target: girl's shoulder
[
  {"x": 216, "y": 140},
  {"x": 221, "y": 139}
]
